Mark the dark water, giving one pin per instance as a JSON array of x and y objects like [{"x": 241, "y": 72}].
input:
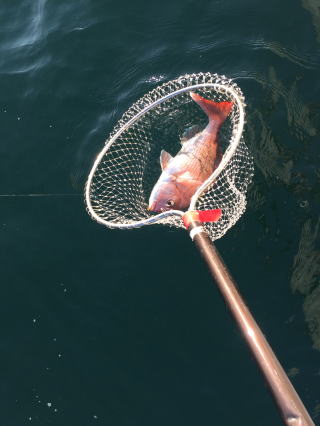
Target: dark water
[{"x": 117, "y": 328}]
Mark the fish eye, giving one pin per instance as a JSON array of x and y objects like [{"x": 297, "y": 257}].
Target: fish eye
[{"x": 169, "y": 203}]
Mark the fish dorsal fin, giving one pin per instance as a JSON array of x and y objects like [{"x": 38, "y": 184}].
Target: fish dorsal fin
[
  {"x": 190, "y": 132},
  {"x": 165, "y": 159}
]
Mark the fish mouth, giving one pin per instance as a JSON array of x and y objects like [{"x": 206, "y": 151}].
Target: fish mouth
[{"x": 151, "y": 207}]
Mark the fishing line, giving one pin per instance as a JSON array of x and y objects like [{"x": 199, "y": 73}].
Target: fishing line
[{"x": 40, "y": 195}]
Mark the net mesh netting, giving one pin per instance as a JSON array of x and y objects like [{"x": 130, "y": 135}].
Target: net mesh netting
[{"x": 128, "y": 167}]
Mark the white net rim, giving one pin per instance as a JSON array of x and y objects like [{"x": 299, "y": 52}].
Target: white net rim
[{"x": 225, "y": 159}]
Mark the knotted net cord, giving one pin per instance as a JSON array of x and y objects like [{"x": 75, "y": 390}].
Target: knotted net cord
[{"x": 125, "y": 171}]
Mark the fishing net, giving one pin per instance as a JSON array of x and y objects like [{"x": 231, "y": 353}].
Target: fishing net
[{"x": 127, "y": 168}]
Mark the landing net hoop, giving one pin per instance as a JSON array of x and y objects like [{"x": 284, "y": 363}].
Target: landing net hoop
[{"x": 105, "y": 192}]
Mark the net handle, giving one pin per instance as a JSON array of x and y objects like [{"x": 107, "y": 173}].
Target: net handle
[
  {"x": 225, "y": 159},
  {"x": 291, "y": 407}
]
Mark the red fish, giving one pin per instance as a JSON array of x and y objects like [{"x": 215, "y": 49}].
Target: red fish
[{"x": 183, "y": 174}]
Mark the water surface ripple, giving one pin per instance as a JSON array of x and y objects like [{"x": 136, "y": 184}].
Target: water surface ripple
[{"x": 125, "y": 328}]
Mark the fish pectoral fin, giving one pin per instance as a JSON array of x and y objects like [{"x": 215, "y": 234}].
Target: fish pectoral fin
[
  {"x": 187, "y": 177},
  {"x": 165, "y": 159}
]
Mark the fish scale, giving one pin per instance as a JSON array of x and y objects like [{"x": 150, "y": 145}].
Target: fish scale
[{"x": 199, "y": 154}]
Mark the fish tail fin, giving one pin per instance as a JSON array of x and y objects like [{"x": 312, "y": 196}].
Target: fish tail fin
[{"x": 216, "y": 111}]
